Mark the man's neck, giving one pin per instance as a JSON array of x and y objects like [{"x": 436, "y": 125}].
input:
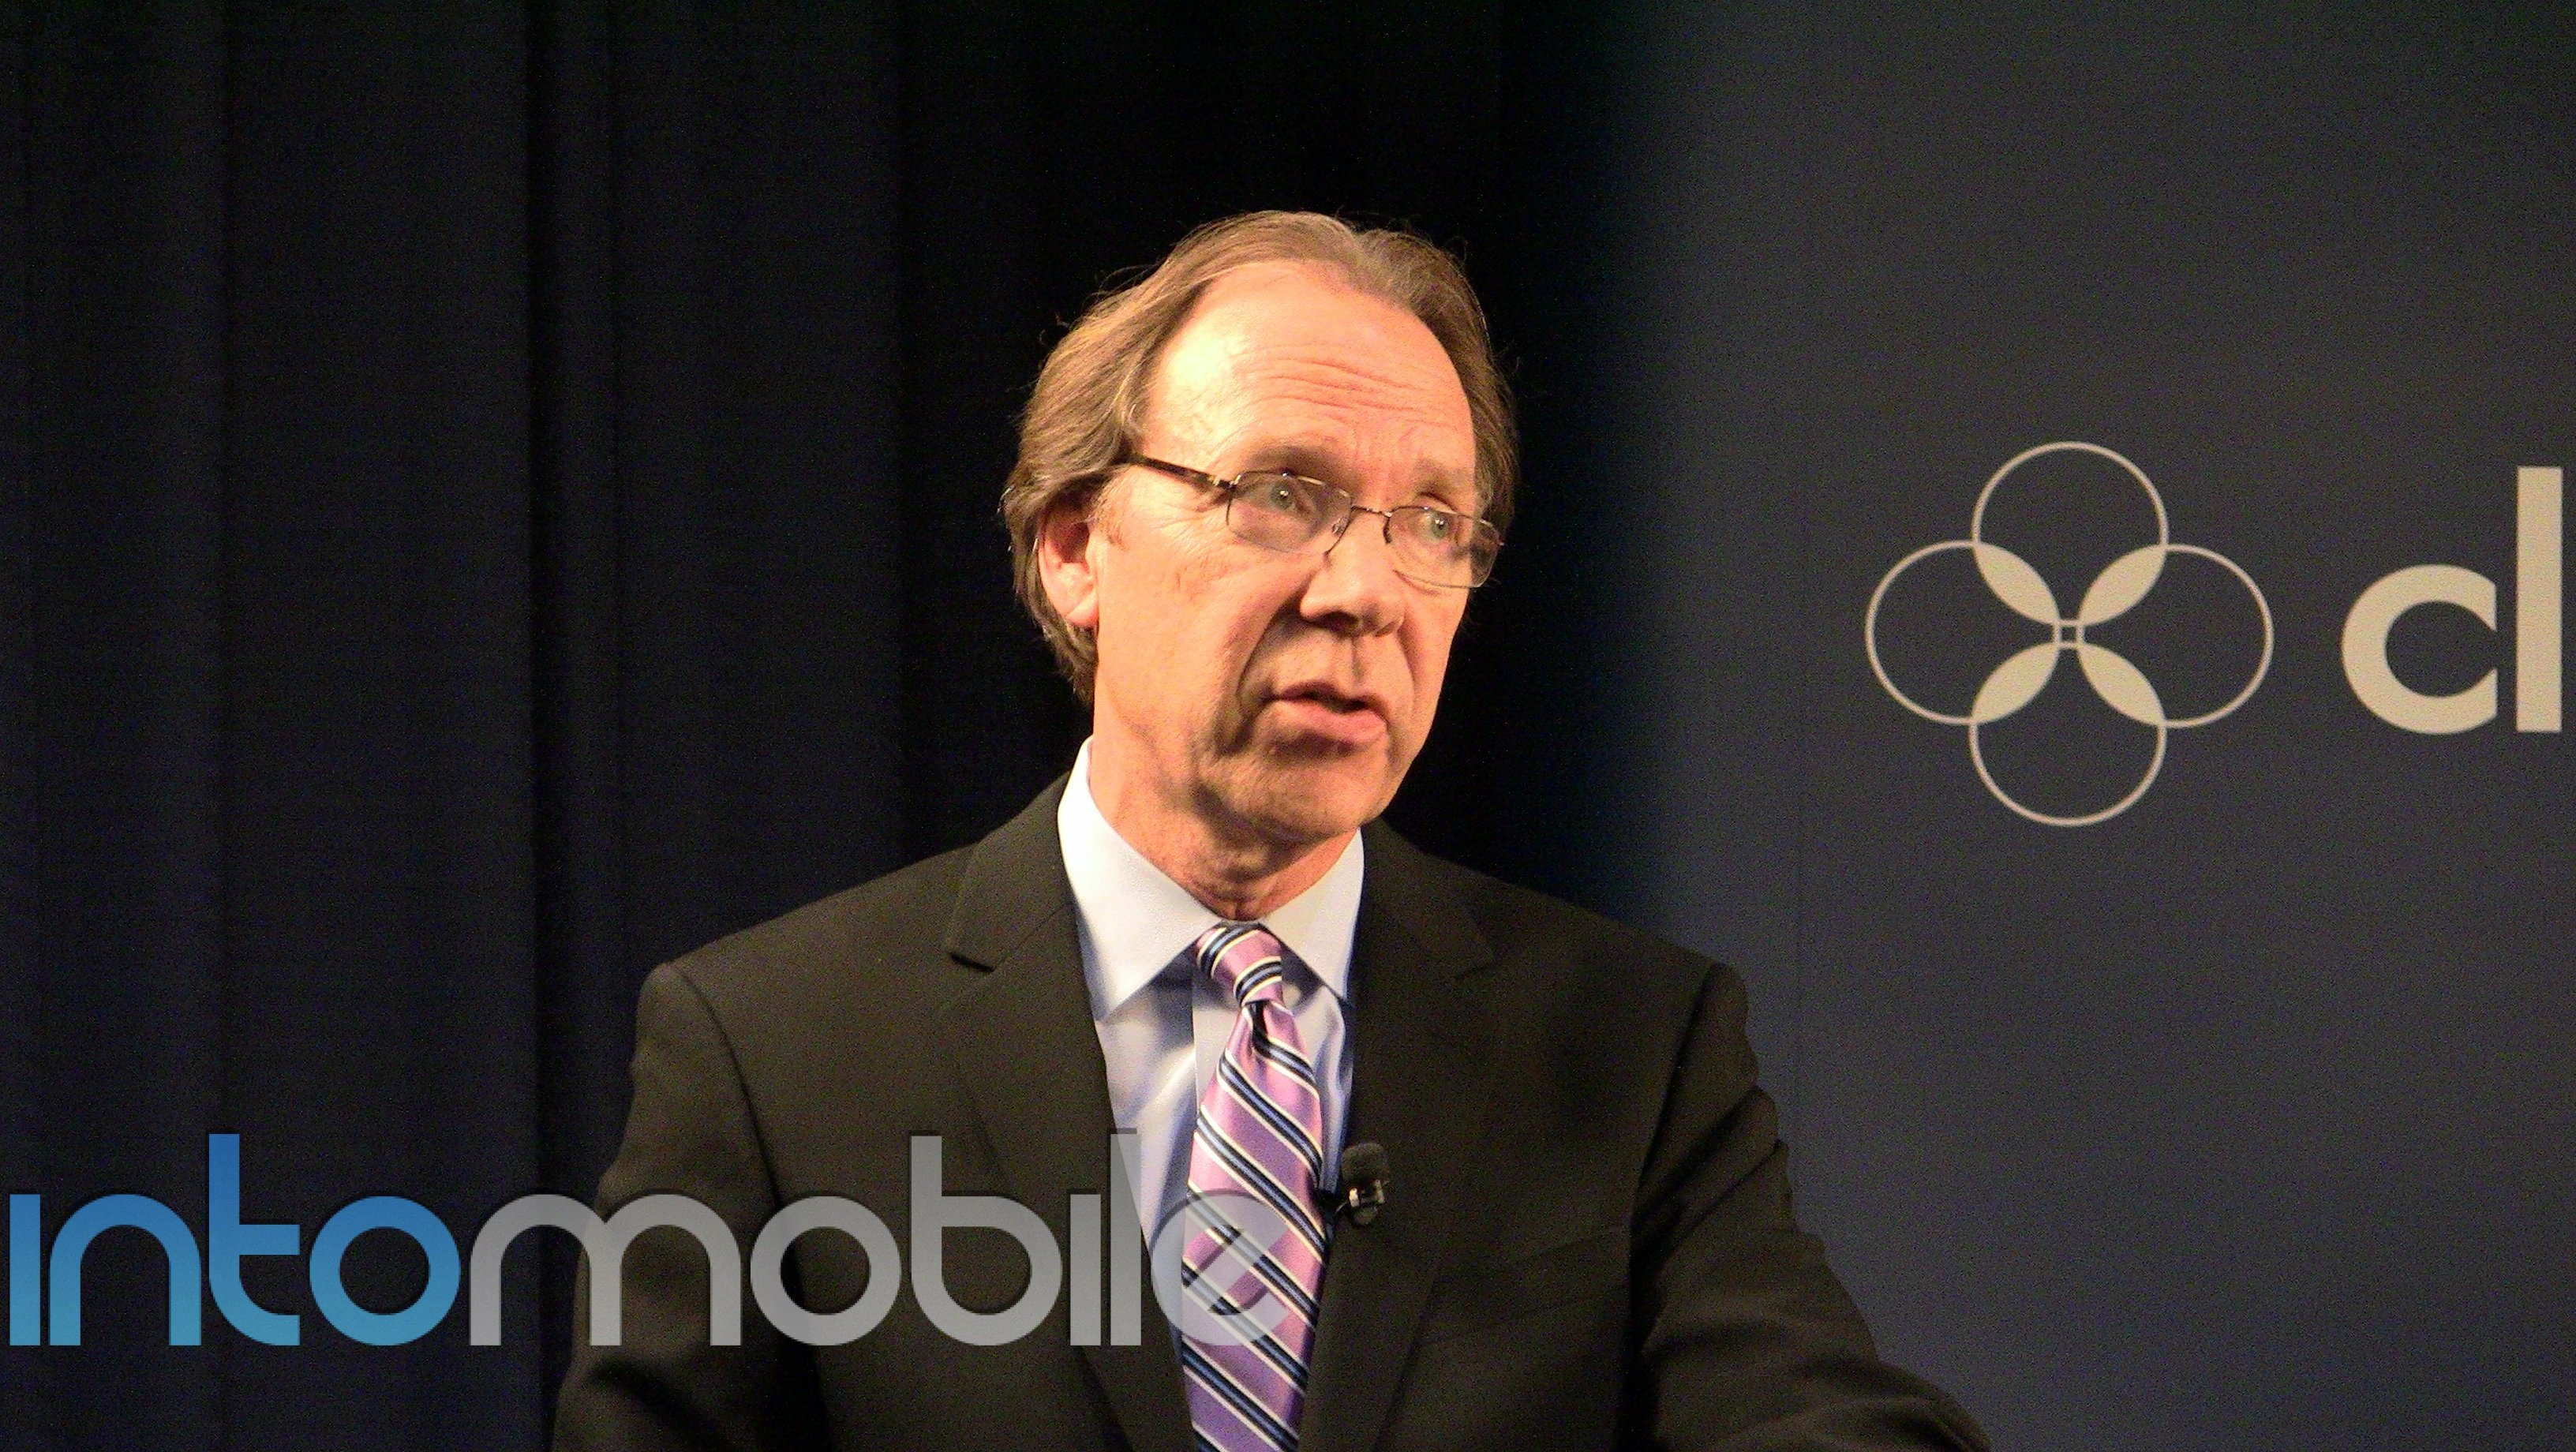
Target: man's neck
[{"x": 1241, "y": 876}]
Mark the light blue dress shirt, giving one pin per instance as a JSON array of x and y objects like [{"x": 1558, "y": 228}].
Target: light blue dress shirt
[{"x": 1163, "y": 1028}]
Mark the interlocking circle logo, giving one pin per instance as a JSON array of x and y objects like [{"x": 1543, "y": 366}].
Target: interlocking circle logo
[{"x": 2023, "y": 675}]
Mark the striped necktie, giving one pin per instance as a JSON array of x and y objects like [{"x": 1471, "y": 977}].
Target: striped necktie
[{"x": 1260, "y": 1135}]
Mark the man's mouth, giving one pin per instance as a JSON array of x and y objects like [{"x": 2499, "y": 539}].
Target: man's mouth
[{"x": 1319, "y": 709}]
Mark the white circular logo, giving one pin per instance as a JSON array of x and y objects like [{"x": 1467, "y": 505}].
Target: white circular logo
[{"x": 2023, "y": 675}]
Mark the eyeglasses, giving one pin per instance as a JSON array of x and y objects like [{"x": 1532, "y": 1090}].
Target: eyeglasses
[{"x": 1296, "y": 515}]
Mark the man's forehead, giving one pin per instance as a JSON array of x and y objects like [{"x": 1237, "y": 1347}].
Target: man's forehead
[
  {"x": 1318, "y": 354},
  {"x": 1294, "y": 308}
]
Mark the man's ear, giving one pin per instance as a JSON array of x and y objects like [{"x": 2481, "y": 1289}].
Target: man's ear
[{"x": 1070, "y": 538}]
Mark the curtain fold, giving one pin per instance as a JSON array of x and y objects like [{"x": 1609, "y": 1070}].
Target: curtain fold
[{"x": 117, "y": 652}]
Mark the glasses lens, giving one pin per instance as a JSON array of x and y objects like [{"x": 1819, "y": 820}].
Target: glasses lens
[
  {"x": 1441, "y": 547},
  {"x": 1284, "y": 511}
]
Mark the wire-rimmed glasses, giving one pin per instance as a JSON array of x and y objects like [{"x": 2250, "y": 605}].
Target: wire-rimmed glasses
[{"x": 1296, "y": 515}]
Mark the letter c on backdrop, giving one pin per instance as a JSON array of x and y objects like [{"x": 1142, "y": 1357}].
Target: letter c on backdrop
[{"x": 2365, "y": 649}]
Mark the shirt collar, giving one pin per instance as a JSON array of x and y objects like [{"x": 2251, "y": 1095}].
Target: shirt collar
[{"x": 1135, "y": 920}]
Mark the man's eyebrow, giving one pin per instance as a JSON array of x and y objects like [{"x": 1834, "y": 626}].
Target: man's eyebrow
[
  {"x": 1320, "y": 460},
  {"x": 1311, "y": 457}
]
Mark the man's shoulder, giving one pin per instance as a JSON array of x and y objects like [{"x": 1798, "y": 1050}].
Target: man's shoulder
[
  {"x": 1598, "y": 1015},
  {"x": 1535, "y": 934},
  {"x": 885, "y": 933}
]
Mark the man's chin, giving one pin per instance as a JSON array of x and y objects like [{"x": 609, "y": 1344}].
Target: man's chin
[{"x": 1313, "y": 796}]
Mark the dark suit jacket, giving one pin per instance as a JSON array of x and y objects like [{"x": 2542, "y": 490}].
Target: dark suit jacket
[{"x": 1587, "y": 1239}]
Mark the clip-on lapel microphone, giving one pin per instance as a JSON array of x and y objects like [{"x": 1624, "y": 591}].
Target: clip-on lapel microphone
[{"x": 1363, "y": 1182}]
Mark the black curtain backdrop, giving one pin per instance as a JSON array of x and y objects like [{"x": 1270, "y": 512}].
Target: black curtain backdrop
[{"x": 493, "y": 498}]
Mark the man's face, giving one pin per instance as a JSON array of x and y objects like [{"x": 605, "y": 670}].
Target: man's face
[{"x": 1276, "y": 696}]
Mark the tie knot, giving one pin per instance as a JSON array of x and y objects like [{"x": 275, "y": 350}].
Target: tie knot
[{"x": 1245, "y": 960}]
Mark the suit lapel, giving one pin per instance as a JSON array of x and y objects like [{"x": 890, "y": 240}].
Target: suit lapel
[
  {"x": 1419, "y": 1087},
  {"x": 1024, "y": 1046}
]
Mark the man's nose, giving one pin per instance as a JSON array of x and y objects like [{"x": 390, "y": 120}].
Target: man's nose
[{"x": 1356, "y": 588}]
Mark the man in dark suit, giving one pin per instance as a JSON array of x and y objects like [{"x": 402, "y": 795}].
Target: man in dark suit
[{"x": 1255, "y": 489}]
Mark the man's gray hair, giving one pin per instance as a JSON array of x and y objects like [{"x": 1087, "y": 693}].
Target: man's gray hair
[{"x": 1089, "y": 406}]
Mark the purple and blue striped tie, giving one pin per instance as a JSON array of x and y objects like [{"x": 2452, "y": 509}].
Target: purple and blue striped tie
[{"x": 1260, "y": 1135}]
